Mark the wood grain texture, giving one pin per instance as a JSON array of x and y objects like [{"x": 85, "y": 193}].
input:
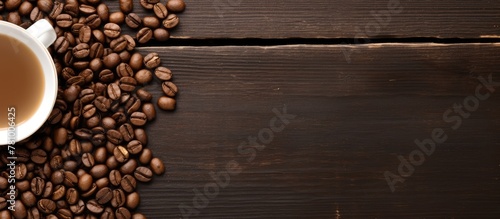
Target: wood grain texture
[
  {"x": 353, "y": 120},
  {"x": 335, "y": 19}
]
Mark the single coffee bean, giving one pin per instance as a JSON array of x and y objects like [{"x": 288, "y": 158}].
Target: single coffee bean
[
  {"x": 60, "y": 136},
  {"x": 78, "y": 208},
  {"x": 46, "y": 206},
  {"x": 129, "y": 167},
  {"x": 96, "y": 66},
  {"x": 121, "y": 154},
  {"x": 176, "y": 6},
  {"x": 111, "y": 61},
  {"x": 106, "y": 76},
  {"x": 171, "y": 21},
  {"x": 169, "y": 88},
  {"x": 57, "y": 177},
  {"x": 28, "y": 198},
  {"x": 122, "y": 213},
  {"x": 103, "y": 12},
  {"x": 64, "y": 214},
  {"x": 83, "y": 133},
  {"x": 102, "y": 104},
  {"x": 133, "y": 20},
  {"x": 151, "y": 22},
  {"x": 87, "y": 74},
  {"x": 148, "y": 4},
  {"x": 108, "y": 123},
  {"x": 88, "y": 160},
  {"x": 70, "y": 179},
  {"x": 12, "y": 4},
  {"x": 143, "y": 76},
  {"x": 118, "y": 199},
  {"x": 90, "y": 192},
  {"x": 132, "y": 105},
  {"x": 136, "y": 61},
  {"x": 104, "y": 195},
  {"x": 56, "y": 10},
  {"x": 39, "y": 156},
  {"x": 118, "y": 45},
  {"x": 96, "y": 50},
  {"x": 163, "y": 73},
  {"x": 124, "y": 98},
  {"x": 124, "y": 70},
  {"x": 98, "y": 36},
  {"x": 160, "y": 10},
  {"x": 94, "y": 207},
  {"x": 152, "y": 60},
  {"x": 37, "y": 186},
  {"x": 127, "y": 84},
  {"x": 3, "y": 202},
  {"x": 87, "y": 96},
  {"x": 45, "y": 5},
  {"x": 61, "y": 45},
  {"x": 157, "y": 166},
  {"x": 161, "y": 34},
  {"x": 72, "y": 196},
  {"x": 77, "y": 80},
  {"x": 102, "y": 182},
  {"x": 99, "y": 171},
  {"x": 36, "y": 14},
  {"x": 144, "y": 35},
  {"x": 112, "y": 30},
  {"x": 138, "y": 216},
  {"x": 87, "y": 9},
  {"x": 100, "y": 155},
  {"x": 144, "y": 95},
  {"x": 117, "y": 17},
  {"x": 115, "y": 177},
  {"x": 128, "y": 183},
  {"x": 138, "y": 118},
  {"x": 127, "y": 132},
  {"x": 108, "y": 213},
  {"x": 76, "y": 27},
  {"x": 88, "y": 111},
  {"x": 140, "y": 135},
  {"x": 114, "y": 136},
  {"x": 81, "y": 50},
  {"x": 93, "y": 21},
  {"x": 20, "y": 171},
  {"x": 130, "y": 46},
  {"x": 114, "y": 91},
  {"x": 143, "y": 174},
  {"x": 126, "y": 6},
  {"x": 47, "y": 192},
  {"x": 133, "y": 200},
  {"x": 19, "y": 210},
  {"x": 25, "y": 8},
  {"x": 85, "y": 182},
  {"x": 119, "y": 117},
  {"x": 71, "y": 39},
  {"x": 64, "y": 20},
  {"x": 166, "y": 103}
]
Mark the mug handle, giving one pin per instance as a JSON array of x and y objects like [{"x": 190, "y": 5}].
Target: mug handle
[{"x": 43, "y": 31}]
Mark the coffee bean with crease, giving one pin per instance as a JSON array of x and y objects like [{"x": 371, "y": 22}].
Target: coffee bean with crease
[
  {"x": 148, "y": 4},
  {"x": 160, "y": 10},
  {"x": 115, "y": 177},
  {"x": 87, "y": 96},
  {"x": 132, "y": 105},
  {"x": 119, "y": 198},
  {"x": 46, "y": 206},
  {"x": 169, "y": 88},
  {"x": 61, "y": 45},
  {"x": 119, "y": 44},
  {"x": 70, "y": 179},
  {"x": 93, "y": 21},
  {"x": 119, "y": 118},
  {"x": 77, "y": 107},
  {"x": 127, "y": 132},
  {"x": 81, "y": 51},
  {"x": 78, "y": 208},
  {"x": 128, "y": 183},
  {"x": 94, "y": 207},
  {"x": 112, "y": 30},
  {"x": 89, "y": 110},
  {"x": 64, "y": 20},
  {"x": 59, "y": 192},
  {"x": 39, "y": 156},
  {"x": 122, "y": 213},
  {"x": 124, "y": 70},
  {"x": 37, "y": 186},
  {"x": 56, "y": 10},
  {"x": 121, "y": 154},
  {"x": 133, "y": 20},
  {"x": 87, "y": 9},
  {"x": 83, "y": 134},
  {"x": 152, "y": 60},
  {"x": 64, "y": 213},
  {"x": 138, "y": 118},
  {"x": 106, "y": 76},
  {"x": 102, "y": 103},
  {"x": 127, "y": 84},
  {"x": 114, "y": 136},
  {"x": 104, "y": 195},
  {"x": 144, "y": 35}
]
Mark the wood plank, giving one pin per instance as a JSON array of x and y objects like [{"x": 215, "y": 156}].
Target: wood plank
[
  {"x": 353, "y": 120},
  {"x": 336, "y": 19}
]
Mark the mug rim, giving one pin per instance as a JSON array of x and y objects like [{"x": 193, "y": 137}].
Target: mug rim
[{"x": 37, "y": 119}]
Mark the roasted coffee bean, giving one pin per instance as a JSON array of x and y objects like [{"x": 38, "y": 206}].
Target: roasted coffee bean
[
  {"x": 127, "y": 84},
  {"x": 77, "y": 80},
  {"x": 111, "y": 60},
  {"x": 133, "y": 20},
  {"x": 102, "y": 182},
  {"x": 81, "y": 50},
  {"x": 71, "y": 39},
  {"x": 121, "y": 154},
  {"x": 143, "y": 76},
  {"x": 85, "y": 182},
  {"x": 133, "y": 200},
  {"x": 117, "y": 17},
  {"x": 98, "y": 36},
  {"x": 83, "y": 133},
  {"x": 169, "y": 88},
  {"x": 57, "y": 177},
  {"x": 24, "y": 185},
  {"x": 59, "y": 192},
  {"x": 126, "y": 6},
  {"x": 19, "y": 210},
  {"x": 64, "y": 214},
  {"x": 127, "y": 132},
  {"x": 114, "y": 91},
  {"x": 12, "y": 4},
  {"x": 112, "y": 30},
  {"x": 61, "y": 45},
  {"x": 124, "y": 98},
  {"x": 36, "y": 14},
  {"x": 70, "y": 165},
  {"x": 60, "y": 136},
  {"x": 87, "y": 74},
  {"x": 104, "y": 195},
  {"x": 98, "y": 139},
  {"x": 163, "y": 73},
  {"x": 122, "y": 213},
  {"x": 3, "y": 202},
  {"x": 144, "y": 95},
  {"x": 20, "y": 171},
  {"x": 108, "y": 213},
  {"x": 143, "y": 174},
  {"x": 118, "y": 45},
  {"x": 39, "y": 156},
  {"x": 140, "y": 135},
  {"x": 87, "y": 9},
  {"x": 71, "y": 7},
  {"x": 171, "y": 21},
  {"x": 152, "y": 60},
  {"x": 87, "y": 96},
  {"x": 102, "y": 104},
  {"x": 72, "y": 196},
  {"x": 5, "y": 214},
  {"x": 161, "y": 34},
  {"x": 118, "y": 199},
  {"x": 128, "y": 183},
  {"x": 75, "y": 29},
  {"x": 125, "y": 55},
  {"x": 56, "y": 10},
  {"x": 108, "y": 123},
  {"x": 45, "y": 5},
  {"x": 151, "y": 22},
  {"x": 46, "y": 206},
  {"x": 144, "y": 35},
  {"x": 93, "y": 21},
  {"x": 148, "y": 4},
  {"x": 103, "y": 12},
  {"x": 129, "y": 167},
  {"x": 94, "y": 207},
  {"x": 96, "y": 50},
  {"x": 124, "y": 70},
  {"x": 136, "y": 61},
  {"x": 157, "y": 166},
  {"x": 115, "y": 177},
  {"x": 106, "y": 76},
  {"x": 119, "y": 118},
  {"x": 132, "y": 105},
  {"x": 71, "y": 93},
  {"x": 114, "y": 136},
  {"x": 47, "y": 192},
  {"x": 96, "y": 66},
  {"x": 89, "y": 110},
  {"x": 138, "y": 118},
  {"x": 100, "y": 155},
  {"x": 70, "y": 179},
  {"x": 90, "y": 192},
  {"x": 25, "y": 8},
  {"x": 160, "y": 10},
  {"x": 78, "y": 208},
  {"x": 28, "y": 198},
  {"x": 99, "y": 171},
  {"x": 166, "y": 103},
  {"x": 176, "y": 6},
  {"x": 64, "y": 20},
  {"x": 37, "y": 185},
  {"x": 88, "y": 160}
]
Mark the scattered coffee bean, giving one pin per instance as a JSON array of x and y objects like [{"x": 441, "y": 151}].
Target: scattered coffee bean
[
  {"x": 176, "y": 6},
  {"x": 166, "y": 103}
]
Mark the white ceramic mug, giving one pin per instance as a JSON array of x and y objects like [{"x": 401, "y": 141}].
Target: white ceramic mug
[{"x": 37, "y": 37}]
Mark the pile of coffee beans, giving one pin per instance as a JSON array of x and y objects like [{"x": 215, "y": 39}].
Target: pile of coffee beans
[{"x": 89, "y": 157}]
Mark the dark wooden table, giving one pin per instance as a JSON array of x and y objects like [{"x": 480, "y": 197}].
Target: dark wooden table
[{"x": 360, "y": 81}]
